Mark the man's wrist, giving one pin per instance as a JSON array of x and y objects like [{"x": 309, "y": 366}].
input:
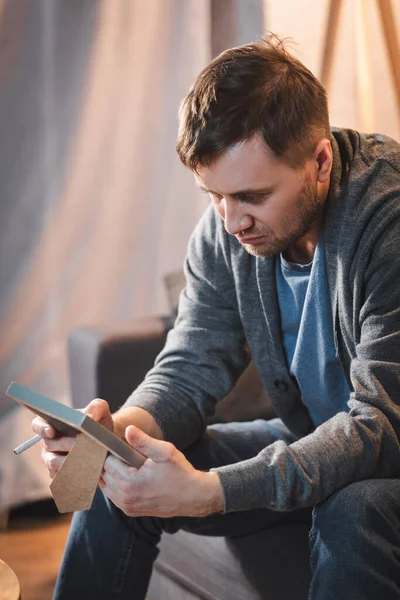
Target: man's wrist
[
  {"x": 213, "y": 493},
  {"x": 134, "y": 415}
]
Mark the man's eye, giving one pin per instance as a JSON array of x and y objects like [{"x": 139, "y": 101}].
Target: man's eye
[{"x": 252, "y": 199}]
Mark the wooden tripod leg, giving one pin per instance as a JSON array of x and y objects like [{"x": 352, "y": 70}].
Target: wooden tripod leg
[
  {"x": 392, "y": 43},
  {"x": 330, "y": 42},
  {"x": 75, "y": 484},
  {"x": 364, "y": 67}
]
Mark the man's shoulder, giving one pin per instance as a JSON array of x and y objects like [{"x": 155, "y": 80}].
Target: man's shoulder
[
  {"x": 361, "y": 151},
  {"x": 378, "y": 147},
  {"x": 367, "y": 167},
  {"x": 365, "y": 187}
]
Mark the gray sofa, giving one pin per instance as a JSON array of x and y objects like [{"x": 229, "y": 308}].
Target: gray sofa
[{"x": 109, "y": 361}]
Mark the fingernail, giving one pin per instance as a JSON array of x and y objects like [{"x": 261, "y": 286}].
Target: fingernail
[{"x": 47, "y": 430}]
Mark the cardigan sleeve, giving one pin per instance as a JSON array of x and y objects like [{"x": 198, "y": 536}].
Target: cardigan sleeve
[{"x": 205, "y": 352}]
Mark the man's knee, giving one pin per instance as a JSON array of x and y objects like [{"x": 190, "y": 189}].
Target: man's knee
[{"x": 362, "y": 504}]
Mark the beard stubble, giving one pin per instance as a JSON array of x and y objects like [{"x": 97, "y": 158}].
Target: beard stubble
[{"x": 297, "y": 225}]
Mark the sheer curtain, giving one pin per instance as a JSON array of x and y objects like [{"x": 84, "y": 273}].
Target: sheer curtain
[{"x": 95, "y": 206}]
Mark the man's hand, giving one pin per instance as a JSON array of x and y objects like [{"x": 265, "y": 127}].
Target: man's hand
[
  {"x": 166, "y": 485},
  {"x": 56, "y": 446}
]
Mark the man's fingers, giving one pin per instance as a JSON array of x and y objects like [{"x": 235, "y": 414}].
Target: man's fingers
[
  {"x": 52, "y": 461},
  {"x": 99, "y": 411},
  {"x": 61, "y": 444},
  {"x": 157, "y": 450},
  {"x": 96, "y": 409},
  {"x": 40, "y": 426},
  {"x": 117, "y": 468}
]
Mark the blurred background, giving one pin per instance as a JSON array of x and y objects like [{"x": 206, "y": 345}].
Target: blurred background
[{"x": 95, "y": 208}]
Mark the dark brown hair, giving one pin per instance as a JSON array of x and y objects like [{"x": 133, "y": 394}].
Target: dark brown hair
[{"x": 258, "y": 87}]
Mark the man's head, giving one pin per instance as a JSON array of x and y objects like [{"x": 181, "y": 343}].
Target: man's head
[{"x": 254, "y": 129}]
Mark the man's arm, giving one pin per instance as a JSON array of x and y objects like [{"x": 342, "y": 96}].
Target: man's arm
[
  {"x": 205, "y": 352},
  {"x": 363, "y": 443}
]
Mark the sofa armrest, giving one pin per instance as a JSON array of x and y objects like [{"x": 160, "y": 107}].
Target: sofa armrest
[{"x": 109, "y": 361}]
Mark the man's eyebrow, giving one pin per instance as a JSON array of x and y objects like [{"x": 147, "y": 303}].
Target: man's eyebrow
[
  {"x": 255, "y": 192},
  {"x": 203, "y": 189},
  {"x": 247, "y": 192}
]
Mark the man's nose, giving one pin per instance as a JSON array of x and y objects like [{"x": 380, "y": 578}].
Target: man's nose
[{"x": 235, "y": 220}]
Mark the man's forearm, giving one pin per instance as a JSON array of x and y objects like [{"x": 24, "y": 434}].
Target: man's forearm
[{"x": 134, "y": 415}]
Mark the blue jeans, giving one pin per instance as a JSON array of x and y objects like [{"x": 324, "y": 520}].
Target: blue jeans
[{"x": 354, "y": 536}]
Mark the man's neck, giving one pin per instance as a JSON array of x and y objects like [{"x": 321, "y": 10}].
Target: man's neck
[{"x": 303, "y": 251}]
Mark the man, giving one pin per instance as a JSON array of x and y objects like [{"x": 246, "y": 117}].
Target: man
[{"x": 296, "y": 260}]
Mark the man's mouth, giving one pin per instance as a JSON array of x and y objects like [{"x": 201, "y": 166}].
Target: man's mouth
[{"x": 251, "y": 239}]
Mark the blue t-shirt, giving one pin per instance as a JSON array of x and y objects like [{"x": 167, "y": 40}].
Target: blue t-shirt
[{"x": 307, "y": 330}]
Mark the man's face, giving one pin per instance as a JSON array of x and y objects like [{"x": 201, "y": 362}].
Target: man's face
[{"x": 265, "y": 203}]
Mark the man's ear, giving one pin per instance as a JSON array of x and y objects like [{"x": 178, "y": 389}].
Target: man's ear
[{"x": 323, "y": 157}]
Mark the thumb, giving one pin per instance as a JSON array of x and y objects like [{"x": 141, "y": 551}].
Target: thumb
[
  {"x": 97, "y": 409},
  {"x": 157, "y": 450}
]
